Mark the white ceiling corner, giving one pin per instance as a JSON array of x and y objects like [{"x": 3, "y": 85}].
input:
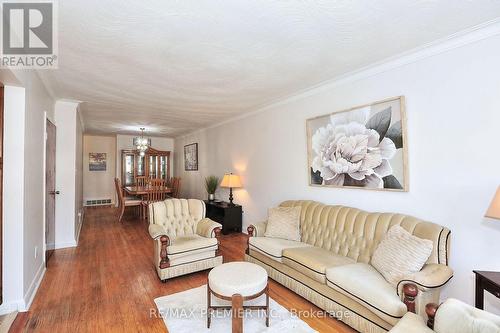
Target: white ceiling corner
[{"x": 177, "y": 66}]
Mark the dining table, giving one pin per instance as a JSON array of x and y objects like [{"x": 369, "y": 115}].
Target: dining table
[{"x": 141, "y": 191}]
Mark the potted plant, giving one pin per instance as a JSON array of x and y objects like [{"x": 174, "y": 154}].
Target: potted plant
[{"x": 211, "y": 184}]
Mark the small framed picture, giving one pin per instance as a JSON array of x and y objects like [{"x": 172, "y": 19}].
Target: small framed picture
[
  {"x": 191, "y": 157},
  {"x": 97, "y": 161}
]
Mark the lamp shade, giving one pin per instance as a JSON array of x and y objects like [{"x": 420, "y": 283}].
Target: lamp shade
[
  {"x": 231, "y": 181},
  {"x": 494, "y": 209}
]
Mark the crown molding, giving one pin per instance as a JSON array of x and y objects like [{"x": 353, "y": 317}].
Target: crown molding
[{"x": 457, "y": 40}]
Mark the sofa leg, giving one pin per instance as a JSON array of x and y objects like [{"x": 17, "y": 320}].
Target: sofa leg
[
  {"x": 430, "y": 310},
  {"x": 164, "y": 281},
  {"x": 165, "y": 242},
  {"x": 410, "y": 291},
  {"x": 250, "y": 230},
  {"x": 217, "y": 232}
]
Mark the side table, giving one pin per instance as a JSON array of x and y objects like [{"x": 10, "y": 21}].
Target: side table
[{"x": 489, "y": 281}]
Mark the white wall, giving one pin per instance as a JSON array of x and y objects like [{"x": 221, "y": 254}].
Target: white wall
[
  {"x": 79, "y": 127},
  {"x": 13, "y": 198},
  {"x": 68, "y": 147},
  {"x": 39, "y": 105},
  {"x": 99, "y": 184},
  {"x": 125, "y": 142},
  {"x": 28, "y": 104},
  {"x": 453, "y": 114}
]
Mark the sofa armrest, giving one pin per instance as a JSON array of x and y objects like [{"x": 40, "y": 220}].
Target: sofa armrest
[
  {"x": 159, "y": 234},
  {"x": 156, "y": 231},
  {"x": 257, "y": 230},
  {"x": 430, "y": 279},
  {"x": 431, "y": 276},
  {"x": 411, "y": 323},
  {"x": 208, "y": 228}
]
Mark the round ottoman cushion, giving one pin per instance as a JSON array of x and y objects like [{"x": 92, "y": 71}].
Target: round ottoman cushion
[{"x": 242, "y": 278}]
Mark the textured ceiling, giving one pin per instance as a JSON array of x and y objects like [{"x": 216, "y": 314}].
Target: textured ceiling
[{"x": 175, "y": 66}]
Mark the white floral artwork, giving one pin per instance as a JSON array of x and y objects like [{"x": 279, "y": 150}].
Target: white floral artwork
[{"x": 363, "y": 147}]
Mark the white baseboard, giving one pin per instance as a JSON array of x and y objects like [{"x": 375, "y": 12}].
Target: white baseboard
[
  {"x": 79, "y": 226},
  {"x": 9, "y": 307},
  {"x": 30, "y": 294},
  {"x": 65, "y": 245}
]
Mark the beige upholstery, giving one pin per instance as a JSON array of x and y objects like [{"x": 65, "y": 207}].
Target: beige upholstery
[
  {"x": 284, "y": 222},
  {"x": 313, "y": 261},
  {"x": 238, "y": 277},
  {"x": 411, "y": 323},
  {"x": 206, "y": 227},
  {"x": 400, "y": 254},
  {"x": 191, "y": 245},
  {"x": 178, "y": 216},
  {"x": 185, "y": 245},
  {"x": 273, "y": 247},
  {"x": 364, "y": 284},
  {"x": 259, "y": 229},
  {"x": 452, "y": 316},
  {"x": 355, "y": 233},
  {"x": 352, "y": 234},
  {"x": 431, "y": 276},
  {"x": 346, "y": 309}
]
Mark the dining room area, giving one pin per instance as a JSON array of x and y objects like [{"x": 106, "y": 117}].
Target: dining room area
[{"x": 128, "y": 172}]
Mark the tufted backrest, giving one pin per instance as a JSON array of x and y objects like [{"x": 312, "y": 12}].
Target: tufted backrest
[
  {"x": 179, "y": 217},
  {"x": 356, "y": 234}
]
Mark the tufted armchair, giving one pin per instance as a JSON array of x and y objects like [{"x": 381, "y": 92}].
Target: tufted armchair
[
  {"x": 453, "y": 316},
  {"x": 184, "y": 240}
]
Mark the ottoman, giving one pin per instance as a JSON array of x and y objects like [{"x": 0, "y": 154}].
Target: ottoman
[{"x": 237, "y": 282}]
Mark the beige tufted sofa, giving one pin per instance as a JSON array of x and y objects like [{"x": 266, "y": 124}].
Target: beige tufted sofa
[
  {"x": 184, "y": 240},
  {"x": 331, "y": 265}
]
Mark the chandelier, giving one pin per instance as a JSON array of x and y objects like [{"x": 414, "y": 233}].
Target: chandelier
[{"x": 141, "y": 143}]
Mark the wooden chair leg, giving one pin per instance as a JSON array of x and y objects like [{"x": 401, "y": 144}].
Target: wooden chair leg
[
  {"x": 237, "y": 311},
  {"x": 209, "y": 303},
  {"x": 122, "y": 209},
  {"x": 267, "y": 305}
]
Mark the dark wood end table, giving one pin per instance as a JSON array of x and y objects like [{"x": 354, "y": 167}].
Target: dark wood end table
[
  {"x": 489, "y": 281},
  {"x": 230, "y": 216}
]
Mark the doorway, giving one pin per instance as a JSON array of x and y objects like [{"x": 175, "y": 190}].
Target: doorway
[{"x": 51, "y": 192}]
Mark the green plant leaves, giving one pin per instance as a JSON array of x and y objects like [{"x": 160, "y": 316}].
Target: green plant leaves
[
  {"x": 380, "y": 122},
  {"x": 395, "y": 133},
  {"x": 211, "y": 184}
]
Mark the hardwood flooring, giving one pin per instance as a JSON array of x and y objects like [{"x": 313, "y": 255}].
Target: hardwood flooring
[{"x": 108, "y": 282}]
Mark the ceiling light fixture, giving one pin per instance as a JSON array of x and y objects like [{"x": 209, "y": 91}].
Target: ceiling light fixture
[{"x": 141, "y": 143}]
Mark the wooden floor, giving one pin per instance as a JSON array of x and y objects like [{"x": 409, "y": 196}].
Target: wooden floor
[{"x": 108, "y": 283}]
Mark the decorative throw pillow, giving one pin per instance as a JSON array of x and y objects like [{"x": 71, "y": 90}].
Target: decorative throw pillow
[
  {"x": 284, "y": 222},
  {"x": 400, "y": 253}
]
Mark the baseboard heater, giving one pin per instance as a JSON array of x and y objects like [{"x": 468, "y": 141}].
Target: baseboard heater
[{"x": 97, "y": 202}]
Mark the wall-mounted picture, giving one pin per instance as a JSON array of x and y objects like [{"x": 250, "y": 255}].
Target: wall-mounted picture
[
  {"x": 97, "y": 161},
  {"x": 191, "y": 157},
  {"x": 362, "y": 147}
]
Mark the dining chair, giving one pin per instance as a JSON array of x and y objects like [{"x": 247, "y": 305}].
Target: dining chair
[
  {"x": 141, "y": 180},
  {"x": 124, "y": 201},
  {"x": 176, "y": 185},
  {"x": 155, "y": 193}
]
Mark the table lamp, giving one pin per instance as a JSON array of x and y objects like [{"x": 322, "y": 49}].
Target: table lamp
[
  {"x": 494, "y": 209},
  {"x": 231, "y": 181}
]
